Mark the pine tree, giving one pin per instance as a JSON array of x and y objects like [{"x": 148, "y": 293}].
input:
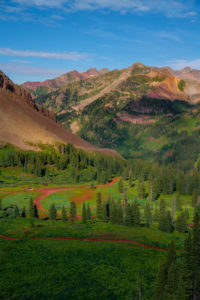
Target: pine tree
[
  {"x": 127, "y": 220},
  {"x": 156, "y": 215},
  {"x": 36, "y": 211},
  {"x": 88, "y": 212},
  {"x": 31, "y": 208},
  {"x": 119, "y": 214},
  {"x": 181, "y": 290},
  {"x": 23, "y": 212},
  {"x": 99, "y": 206},
  {"x": 64, "y": 214},
  {"x": 185, "y": 279},
  {"x": 130, "y": 178},
  {"x": 171, "y": 282},
  {"x": 52, "y": 213},
  {"x": 159, "y": 285},
  {"x": 168, "y": 222},
  {"x": 120, "y": 186},
  {"x": 196, "y": 257},
  {"x": 72, "y": 212},
  {"x": 16, "y": 212},
  {"x": 147, "y": 214},
  {"x": 136, "y": 213},
  {"x": 162, "y": 207},
  {"x": 31, "y": 211},
  {"x": 104, "y": 213},
  {"x": 181, "y": 223},
  {"x": 171, "y": 255},
  {"x": 84, "y": 216}
]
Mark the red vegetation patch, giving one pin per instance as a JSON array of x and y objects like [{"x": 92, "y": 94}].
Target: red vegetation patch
[
  {"x": 85, "y": 196},
  {"x": 91, "y": 240},
  {"x": 48, "y": 191}
]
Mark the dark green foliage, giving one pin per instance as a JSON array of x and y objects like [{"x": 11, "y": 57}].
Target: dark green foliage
[
  {"x": 88, "y": 213},
  {"x": 128, "y": 221},
  {"x": 156, "y": 215},
  {"x": 181, "y": 85},
  {"x": 84, "y": 215},
  {"x": 165, "y": 222},
  {"x": 148, "y": 214},
  {"x": 72, "y": 212},
  {"x": 160, "y": 281},
  {"x": 36, "y": 215},
  {"x": 194, "y": 198},
  {"x": 179, "y": 277},
  {"x": 136, "y": 213},
  {"x": 16, "y": 212},
  {"x": 120, "y": 186},
  {"x": 75, "y": 270},
  {"x": 171, "y": 282},
  {"x": 52, "y": 213},
  {"x": 23, "y": 212},
  {"x": 141, "y": 190},
  {"x": 31, "y": 212},
  {"x": 31, "y": 208},
  {"x": 181, "y": 223},
  {"x": 165, "y": 276},
  {"x": 80, "y": 166},
  {"x": 99, "y": 206},
  {"x": 64, "y": 214},
  {"x": 0, "y": 204}
]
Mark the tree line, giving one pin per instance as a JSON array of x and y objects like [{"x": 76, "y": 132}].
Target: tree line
[{"x": 178, "y": 276}]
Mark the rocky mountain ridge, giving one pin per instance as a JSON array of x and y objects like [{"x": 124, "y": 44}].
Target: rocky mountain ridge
[{"x": 26, "y": 124}]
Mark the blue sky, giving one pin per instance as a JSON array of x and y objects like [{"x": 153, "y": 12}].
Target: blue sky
[{"x": 42, "y": 39}]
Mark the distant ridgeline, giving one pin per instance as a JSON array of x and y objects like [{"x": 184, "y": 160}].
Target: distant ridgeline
[{"x": 81, "y": 166}]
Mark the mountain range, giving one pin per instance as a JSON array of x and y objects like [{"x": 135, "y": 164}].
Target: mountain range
[
  {"x": 141, "y": 112},
  {"x": 28, "y": 125}
]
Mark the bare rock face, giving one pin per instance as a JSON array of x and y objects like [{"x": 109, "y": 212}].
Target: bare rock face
[{"x": 24, "y": 94}]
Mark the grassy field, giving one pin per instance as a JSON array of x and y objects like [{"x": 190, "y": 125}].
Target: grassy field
[
  {"x": 19, "y": 227},
  {"x": 80, "y": 194},
  {"x": 71, "y": 269},
  {"x": 75, "y": 270},
  {"x": 65, "y": 269}
]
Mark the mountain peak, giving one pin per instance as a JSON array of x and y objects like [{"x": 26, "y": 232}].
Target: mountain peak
[{"x": 138, "y": 65}]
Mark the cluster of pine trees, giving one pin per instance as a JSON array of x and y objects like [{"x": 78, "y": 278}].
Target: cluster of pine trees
[
  {"x": 164, "y": 179},
  {"x": 45, "y": 163},
  {"x": 134, "y": 214},
  {"x": 178, "y": 276}
]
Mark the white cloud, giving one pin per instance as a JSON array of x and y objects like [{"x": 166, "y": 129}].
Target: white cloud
[
  {"x": 137, "y": 5},
  {"x": 50, "y": 55},
  {"x": 171, "y": 8},
  {"x": 168, "y": 35},
  {"x": 13, "y": 69},
  {"x": 178, "y": 64},
  {"x": 41, "y": 3}
]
